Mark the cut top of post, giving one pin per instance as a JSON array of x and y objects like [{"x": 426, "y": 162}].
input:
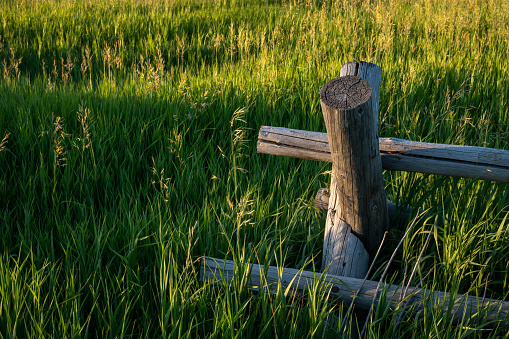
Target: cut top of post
[{"x": 345, "y": 93}]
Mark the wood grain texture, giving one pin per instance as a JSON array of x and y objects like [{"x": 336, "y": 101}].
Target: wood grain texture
[
  {"x": 342, "y": 289},
  {"x": 397, "y": 214},
  {"x": 397, "y": 154}
]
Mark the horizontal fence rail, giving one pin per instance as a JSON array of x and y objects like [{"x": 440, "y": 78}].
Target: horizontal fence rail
[
  {"x": 397, "y": 154},
  {"x": 267, "y": 278}
]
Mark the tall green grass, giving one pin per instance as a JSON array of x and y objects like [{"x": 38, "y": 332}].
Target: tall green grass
[{"x": 129, "y": 151}]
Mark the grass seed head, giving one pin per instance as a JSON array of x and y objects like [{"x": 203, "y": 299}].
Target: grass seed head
[
  {"x": 3, "y": 144},
  {"x": 84, "y": 141}
]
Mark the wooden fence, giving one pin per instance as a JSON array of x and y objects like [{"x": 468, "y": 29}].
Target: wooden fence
[{"x": 358, "y": 212}]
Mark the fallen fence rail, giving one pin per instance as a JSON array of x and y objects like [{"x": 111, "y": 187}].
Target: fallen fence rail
[{"x": 259, "y": 277}]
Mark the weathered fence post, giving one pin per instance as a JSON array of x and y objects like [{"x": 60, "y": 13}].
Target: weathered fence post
[{"x": 357, "y": 215}]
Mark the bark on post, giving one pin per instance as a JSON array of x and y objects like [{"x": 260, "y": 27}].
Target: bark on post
[{"x": 357, "y": 215}]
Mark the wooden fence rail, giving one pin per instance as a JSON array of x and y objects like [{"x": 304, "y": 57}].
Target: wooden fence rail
[
  {"x": 460, "y": 307},
  {"x": 397, "y": 154}
]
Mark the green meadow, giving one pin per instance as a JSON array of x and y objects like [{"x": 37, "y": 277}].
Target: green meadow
[{"x": 128, "y": 134}]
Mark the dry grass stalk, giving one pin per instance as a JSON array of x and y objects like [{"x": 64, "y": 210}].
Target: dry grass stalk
[
  {"x": 67, "y": 67},
  {"x": 3, "y": 144},
  {"x": 84, "y": 140},
  {"x": 11, "y": 68},
  {"x": 160, "y": 182},
  {"x": 58, "y": 135}
]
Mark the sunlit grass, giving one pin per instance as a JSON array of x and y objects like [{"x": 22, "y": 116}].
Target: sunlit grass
[{"x": 128, "y": 151}]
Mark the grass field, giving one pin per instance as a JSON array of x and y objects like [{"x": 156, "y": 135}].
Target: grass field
[{"x": 128, "y": 151}]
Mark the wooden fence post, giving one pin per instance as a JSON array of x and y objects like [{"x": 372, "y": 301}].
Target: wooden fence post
[{"x": 357, "y": 216}]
